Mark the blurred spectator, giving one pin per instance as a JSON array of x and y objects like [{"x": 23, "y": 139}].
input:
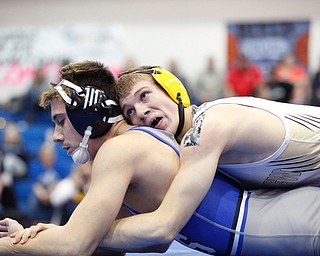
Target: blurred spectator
[
  {"x": 242, "y": 78},
  {"x": 281, "y": 91},
  {"x": 69, "y": 192},
  {"x": 288, "y": 70},
  {"x": 262, "y": 91},
  {"x": 315, "y": 99},
  {"x": 39, "y": 85},
  {"x": 14, "y": 164},
  {"x": 174, "y": 69},
  {"x": 129, "y": 63},
  {"x": 209, "y": 84},
  {"x": 28, "y": 103},
  {"x": 40, "y": 208}
]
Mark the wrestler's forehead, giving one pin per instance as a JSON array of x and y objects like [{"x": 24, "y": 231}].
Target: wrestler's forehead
[{"x": 136, "y": 89}]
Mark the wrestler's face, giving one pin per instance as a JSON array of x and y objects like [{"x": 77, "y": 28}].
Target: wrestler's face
[
  {"x": 64, "y": 133},
  {"x": 148, "y": 104}
]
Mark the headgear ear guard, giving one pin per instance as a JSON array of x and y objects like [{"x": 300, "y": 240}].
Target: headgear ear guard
[
  {"x": 175, "y": 89},
  {"x": 172, "y": 85},
  {"x": 89, "y": 106}
]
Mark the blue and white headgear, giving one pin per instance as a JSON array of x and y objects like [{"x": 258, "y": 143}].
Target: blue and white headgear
[{"x": 90, "y": 112}]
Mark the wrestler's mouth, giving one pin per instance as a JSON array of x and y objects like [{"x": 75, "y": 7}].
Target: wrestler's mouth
[
  {"x": 67, "y": 149},
  {"x": 155, "y": 121}
]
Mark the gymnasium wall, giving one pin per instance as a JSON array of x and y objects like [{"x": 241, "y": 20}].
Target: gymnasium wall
[{"x": 154, "y": 32}]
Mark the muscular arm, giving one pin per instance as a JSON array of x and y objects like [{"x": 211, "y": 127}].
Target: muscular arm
[
  {"x": 92, "y": 218},
  {"x": 197, "y": 170}
]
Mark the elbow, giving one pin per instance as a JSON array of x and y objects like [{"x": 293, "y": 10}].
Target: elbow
[
  {"x": 72, "y": 250},
  {"x": 162, "y": 248},
  {"x": 165, "y": 233},
  {"x": 72, "y": 247},
  {"x": 69, "y": 249}
]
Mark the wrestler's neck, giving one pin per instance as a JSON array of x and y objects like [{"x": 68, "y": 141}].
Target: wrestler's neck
[
  {"x": 187, "y": 123},
  {"x": 118, "y": 129}
]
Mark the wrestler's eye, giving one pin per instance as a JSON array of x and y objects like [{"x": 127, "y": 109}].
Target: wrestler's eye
[
  {"x": 144, "y": 96},
  {"x": 59, "y": 120},
  {"x": 130, "y": 112},
  {"x": 61, "y": 123}
]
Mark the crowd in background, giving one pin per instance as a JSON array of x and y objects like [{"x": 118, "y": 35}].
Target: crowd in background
[
  {"x": 52, "y": 193},
  {"x": 287, "y": 81}
]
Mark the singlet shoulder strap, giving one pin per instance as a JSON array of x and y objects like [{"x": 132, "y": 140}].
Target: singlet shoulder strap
[{"x": 164, "y": 136}]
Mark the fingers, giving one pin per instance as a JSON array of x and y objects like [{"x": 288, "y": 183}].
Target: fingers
[
  {"x": 44, "y": 226},
  {"x": 3, "y": 228},
  {"x": 7, "y": 221},
  {"x": 16, "y": 237},
  {"x": 3, "y": 234},
  {"x": 21, "y": 236},
  {"x": 34, "y": 231},
  {"x": 26, "y": 236},
  {"x": 28, "y": 233},
  {"x": 3, "y": 223}
]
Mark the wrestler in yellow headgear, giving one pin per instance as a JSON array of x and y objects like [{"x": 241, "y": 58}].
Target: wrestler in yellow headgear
[{"x": 171, "y": 84}]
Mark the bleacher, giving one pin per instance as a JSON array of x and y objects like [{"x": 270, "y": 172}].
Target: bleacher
[{"x": 33, "y": 136}]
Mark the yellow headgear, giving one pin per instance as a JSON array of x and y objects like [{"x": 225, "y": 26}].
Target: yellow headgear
[{"x": 172, "y": 85}]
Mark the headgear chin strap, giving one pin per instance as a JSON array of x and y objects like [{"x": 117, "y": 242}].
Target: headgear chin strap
[
  {"x": 89, "y": 106},
  {"x": 81, "y": 154},
  {"x": 181, "y": 116}
]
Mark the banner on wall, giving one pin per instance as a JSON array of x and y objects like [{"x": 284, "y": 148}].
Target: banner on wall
[
  {"x": 266, "y": 43},
  {"x": 24, "y": 50}
]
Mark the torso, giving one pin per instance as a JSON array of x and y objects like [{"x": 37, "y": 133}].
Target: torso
[
  {"x": 278, "y": 146},
  {"x": 227, "y": 198},
  {"x": 151, "y": 184}
]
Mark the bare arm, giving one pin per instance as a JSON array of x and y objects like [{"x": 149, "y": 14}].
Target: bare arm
[
  {"x": 162, "y": 225},
  {"x": 197, "y": 170},
  {"x": 9, "y": 226},
  {"x": 90, "y": 221}
]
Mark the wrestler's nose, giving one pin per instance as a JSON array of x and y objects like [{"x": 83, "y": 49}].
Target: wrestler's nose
[
  {"x": 57, "y": 135},
  {"x": 142, "y": 113}
]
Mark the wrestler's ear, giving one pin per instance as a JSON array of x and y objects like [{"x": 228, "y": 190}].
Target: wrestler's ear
[{"x": 172, "y": 85}]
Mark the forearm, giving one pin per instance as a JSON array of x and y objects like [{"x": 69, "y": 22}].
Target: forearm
[
  {"x": 49, "y": 242},
  {"x": 162, "y": 225},
  {"x": 140, "y": 233},
  {"x": 24, "y": 235},
  {"x": 8, "y": 248}
]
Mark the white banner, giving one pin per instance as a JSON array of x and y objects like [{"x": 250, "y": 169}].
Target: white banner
[{"x": 23, "y": 50}]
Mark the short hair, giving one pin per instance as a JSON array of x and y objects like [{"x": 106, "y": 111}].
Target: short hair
[{"x": 84, "y": 73}]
